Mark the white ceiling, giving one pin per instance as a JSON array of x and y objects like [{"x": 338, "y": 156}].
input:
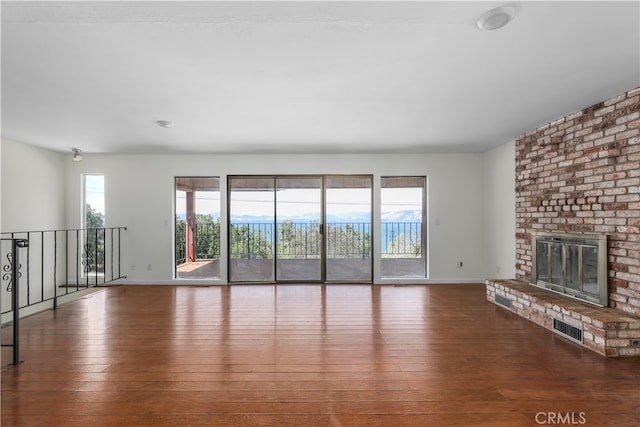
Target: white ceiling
[{"x": 304, "y": 77}]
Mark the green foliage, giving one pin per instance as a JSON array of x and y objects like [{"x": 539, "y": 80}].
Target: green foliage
[
  {"x": 93, "y": 218},
  {"x": 181, "y": 240},
  {"x": 293, "y": 240},
  {"x": 348, "y": 241},
  {"x": 251, "y": 241},
  {"x": 403, "y": 246},
  {"x": 207, "y": 238},
  {"x": 299, "y": 241},
  {"x": 93, "y": 251}
]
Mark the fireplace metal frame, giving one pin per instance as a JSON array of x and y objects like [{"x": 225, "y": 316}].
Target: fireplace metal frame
[{"x": 598, "y": 241}]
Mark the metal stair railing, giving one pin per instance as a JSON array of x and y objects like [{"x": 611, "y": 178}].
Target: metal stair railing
[{"x": 55, "y": 263}]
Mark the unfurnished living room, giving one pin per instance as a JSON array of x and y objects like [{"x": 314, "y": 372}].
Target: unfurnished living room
[{"x": 320, "y": 213}]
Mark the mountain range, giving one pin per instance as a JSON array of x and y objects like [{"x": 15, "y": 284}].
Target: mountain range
[{"x": 349, "y": 217}]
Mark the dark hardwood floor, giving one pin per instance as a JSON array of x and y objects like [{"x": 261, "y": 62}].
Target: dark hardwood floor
[{"x": 306, "y": 355}]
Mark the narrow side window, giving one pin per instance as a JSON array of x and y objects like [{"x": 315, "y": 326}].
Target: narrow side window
[{"x": 403, "y": 233}]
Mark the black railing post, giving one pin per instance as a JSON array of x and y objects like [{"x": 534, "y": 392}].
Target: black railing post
[
  {"x": 15, "y": 296},
  {"x": 41, "y": 266},
  {"x": 111, "y": 254},
  {"x": 55, "y": 270},
  {"x": 96, "y": 257},
  {"x": 77, "y": 258},
  {"x": 119, "y": 253}
]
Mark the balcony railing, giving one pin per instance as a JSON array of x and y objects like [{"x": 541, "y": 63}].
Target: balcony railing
[
  {"x": 60, "y": 262},
  {"x": 401, "y": 240},
  {"x": 303, "y": 240},
  {"x": 207, "y": 241}
]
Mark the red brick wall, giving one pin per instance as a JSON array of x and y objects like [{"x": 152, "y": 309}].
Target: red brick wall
[{"x": 581, "y": 174}]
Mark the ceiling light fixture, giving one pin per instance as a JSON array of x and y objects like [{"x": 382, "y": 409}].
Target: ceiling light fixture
[
  {"x": 496, "y": 18},
  {"x": 165, "y": 123},
  {"x": 76, "y": 155}
]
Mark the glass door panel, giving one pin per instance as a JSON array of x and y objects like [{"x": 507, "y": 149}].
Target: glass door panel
[
  {"x": 251, "y": 229},
  {"x": 197, "y": 228},
  {"x": 348, "y": 228},
  {"x": 298, "y": 222}
]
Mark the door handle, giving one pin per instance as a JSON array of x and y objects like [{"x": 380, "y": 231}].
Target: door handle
[{"x": 321, "y": 228}]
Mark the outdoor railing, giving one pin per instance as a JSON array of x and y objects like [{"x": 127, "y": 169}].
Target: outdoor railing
[
  {"x": 207, "y": 240},
  {"x": 296, "y": 240},
  {"x": 401, "y": 239},
  {"x": 60, "y": 262},
  {"x": 348, "y": 240}
]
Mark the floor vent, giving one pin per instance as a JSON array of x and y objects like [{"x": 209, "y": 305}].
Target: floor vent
[
  {"x": 503, "y": 301},
  {"x": 568, "y": 331}
]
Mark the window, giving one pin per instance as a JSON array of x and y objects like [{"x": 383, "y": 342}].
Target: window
[
  {"x": 403, "y": 227},
  {"x": 93, "y": 237},
  {"x": 94, "y": 208}
]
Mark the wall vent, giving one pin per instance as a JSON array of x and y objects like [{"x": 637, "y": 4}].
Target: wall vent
[
  {"x": 503, "y": 301},
  {"x": 567, "y": 330}
]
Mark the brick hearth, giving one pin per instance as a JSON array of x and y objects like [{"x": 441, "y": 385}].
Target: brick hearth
[{"x": 606, "y": 331}]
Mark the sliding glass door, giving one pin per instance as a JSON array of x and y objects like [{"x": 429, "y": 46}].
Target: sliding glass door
[
  {"x": 251, "y": 229},
  {"x": 300, "y": 228}
]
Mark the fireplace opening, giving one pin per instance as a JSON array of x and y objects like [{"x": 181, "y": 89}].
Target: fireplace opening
[{"x": 571, "y": 264}]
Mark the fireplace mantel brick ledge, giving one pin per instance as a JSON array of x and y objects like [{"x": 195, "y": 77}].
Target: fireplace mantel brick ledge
[{"x": 607, "y": 331}]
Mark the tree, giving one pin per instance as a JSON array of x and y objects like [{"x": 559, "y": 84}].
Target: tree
[
  {"x": 207, "y": 237},
  {"x": 348, "y": 241},
  {"x": 181, "y": 240},
  {"x": 298, "y": 240},
  {"x": 251, "y": 241},
  {"x": 93, "y": 218},
  {"x": 93, "y": 251},
  {"x": 404, "y": 246},
  {"x": 294, "y": 240}
]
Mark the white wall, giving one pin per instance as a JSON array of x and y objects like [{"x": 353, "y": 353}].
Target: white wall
[
  {"x": 33, "y": 199},
  {"x": 1, "y": 297},
  {"x": 33, "y": 190},
  {"x": 499, "y": 212},
  {"x": 1, "y": 188},
  {"x": 140, "y": 196}
]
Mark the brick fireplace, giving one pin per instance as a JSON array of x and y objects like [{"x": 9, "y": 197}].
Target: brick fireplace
[{"x": 581, "y": 175}]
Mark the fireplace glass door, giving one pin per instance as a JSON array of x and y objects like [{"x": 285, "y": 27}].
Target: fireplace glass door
[
  {"x": 556, "y": 264},
  {"x": 590, "y": 270},
  {"x": 571, "y": 264}
]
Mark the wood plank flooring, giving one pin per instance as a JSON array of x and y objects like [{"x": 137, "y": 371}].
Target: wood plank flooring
[{"x": 306, "y": 355}]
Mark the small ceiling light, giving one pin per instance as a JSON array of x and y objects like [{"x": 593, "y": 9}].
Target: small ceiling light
[
  {"x": 165, "y": 123},
  {"x": 496, "y": 18},
  {"x": 76, "y": 155}
]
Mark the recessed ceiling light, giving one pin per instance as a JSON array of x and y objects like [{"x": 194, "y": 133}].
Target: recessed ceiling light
[
  {"x": 496, "y": 18},
  {"x": 165, "y": 123}
]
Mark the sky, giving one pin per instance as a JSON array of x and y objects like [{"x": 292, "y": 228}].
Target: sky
[
  {"x": 94, "y": 192},
  {"x": 304, "y": 202}
]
